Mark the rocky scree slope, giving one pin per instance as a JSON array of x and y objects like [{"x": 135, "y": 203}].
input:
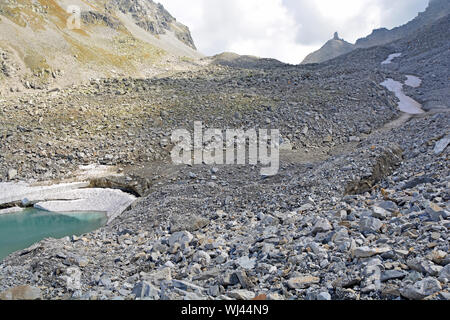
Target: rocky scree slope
[
  {"x": 225, "y": 233},
  {"x": 359, "y": 210},
  {"x": 48, "y": 135}
]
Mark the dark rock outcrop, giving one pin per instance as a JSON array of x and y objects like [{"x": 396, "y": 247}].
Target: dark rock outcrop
[{"x": 383, "y": 165}]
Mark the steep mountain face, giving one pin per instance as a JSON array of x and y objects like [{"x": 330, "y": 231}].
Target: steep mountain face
[
  {"x": 154, "y": 18},
  {"x": 437, "y": 9},
  {"x": 332, "y": 49},
  {"x": 41, "y": 43}
]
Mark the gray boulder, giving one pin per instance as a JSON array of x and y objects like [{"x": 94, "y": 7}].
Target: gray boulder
[
  {"x": 144, "y": 290},
  {"x": 421, "y": 289}
]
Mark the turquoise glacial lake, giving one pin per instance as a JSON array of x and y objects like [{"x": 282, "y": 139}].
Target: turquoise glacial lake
[{"x": 19, "y": 231}]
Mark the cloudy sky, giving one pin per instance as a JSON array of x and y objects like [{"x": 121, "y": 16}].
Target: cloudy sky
[{"x": 286, "y": 30}]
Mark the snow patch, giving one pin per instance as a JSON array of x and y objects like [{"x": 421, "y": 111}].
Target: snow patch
[
  {"x": 391, "y": 57},
  {"x": 406, "y": 103}
]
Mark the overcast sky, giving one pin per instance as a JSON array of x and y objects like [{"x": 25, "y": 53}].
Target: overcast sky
[{"x": 286, "y": 30}]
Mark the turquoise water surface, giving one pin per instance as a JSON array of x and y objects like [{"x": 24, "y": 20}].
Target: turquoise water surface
[{"x": 20, "y": 230}]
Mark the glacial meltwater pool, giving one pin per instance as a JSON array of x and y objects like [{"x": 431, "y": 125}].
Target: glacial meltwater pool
[{"x": 20, "y": 230}]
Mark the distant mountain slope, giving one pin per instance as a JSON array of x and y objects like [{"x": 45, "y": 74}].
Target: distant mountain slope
[
  {"x": 332, "y": 49},
  {"x": 235, "y": 60},
  {"x": 40, "y": 43},
  {"x": 425, "y": 54},
  {"x": 436, "y": 10}
]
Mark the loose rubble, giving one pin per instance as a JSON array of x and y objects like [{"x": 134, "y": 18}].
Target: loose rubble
[{"x": 358, "y": 210}]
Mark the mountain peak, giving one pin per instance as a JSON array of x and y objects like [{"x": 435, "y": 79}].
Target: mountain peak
[{"x": 331, "y": 49}]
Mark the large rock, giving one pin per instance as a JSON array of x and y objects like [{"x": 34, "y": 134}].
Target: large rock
[
  {"x": 180, "y": 238},
  {"x": 323, "y": 296},
  {"x": 421, "y": 289},
  {"x": 137, "y": 186},
  {"x": 12, "y": 173},
  {"x": 241, "y": 294},
  {"x": 322, "y": 225},
  {"x": 370, "y": 224},
  {"x": 436, "y": 212},
  {"x": 246, "y": 263},
  {"x": 72, "y": 277},
  {"x": 382, "y": 165},
  {"x": 444, "y": 274},
  {"x": 191, "y": 223},
  {"x": 393, "y": 274},
  {"x": 302, "y": 282},
  {"x": 158, "y": 276},
  {"x": 145, "y": 290},
  {"x": 380, "y": 213},
  {"x": 366, "y": 252},
  {"x": 441, "y": 145},
  {"x": 424, "y": 266},
  {"x": 388, "y": 205}
]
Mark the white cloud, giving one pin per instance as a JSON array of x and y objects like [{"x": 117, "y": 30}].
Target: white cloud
[{"x": 286, "y": 30}]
